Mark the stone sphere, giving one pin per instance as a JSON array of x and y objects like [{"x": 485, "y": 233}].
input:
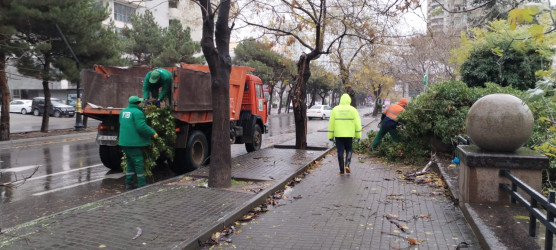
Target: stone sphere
[{"x": 499, "y": 123}]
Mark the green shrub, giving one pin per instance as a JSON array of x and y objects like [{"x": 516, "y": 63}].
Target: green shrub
[{"x": 440, "y": 113}]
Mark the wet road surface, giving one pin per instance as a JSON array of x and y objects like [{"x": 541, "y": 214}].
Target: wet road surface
[
  {"x": 50, "y": 176},
  {"x": 26, "y": 123}
]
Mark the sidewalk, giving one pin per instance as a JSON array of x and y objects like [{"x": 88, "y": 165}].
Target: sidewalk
[{"x": 334, "y": 212}]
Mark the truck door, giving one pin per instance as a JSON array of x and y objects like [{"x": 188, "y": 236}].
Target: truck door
[{"x": 261, "y": 108}]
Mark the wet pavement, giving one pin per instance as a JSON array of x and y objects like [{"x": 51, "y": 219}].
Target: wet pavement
[
  {"x": 27, "y": 123},
  {"x": 366, "y": 209}
]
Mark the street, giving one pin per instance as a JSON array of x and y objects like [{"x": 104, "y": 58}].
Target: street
[
  {"x": 67, "y": 172},
  {"x": 26, "y": 123}
]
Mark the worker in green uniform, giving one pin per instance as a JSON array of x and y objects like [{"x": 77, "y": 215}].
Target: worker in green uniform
[
  {"x": 154, "y": 80},
  {"x": 135, "y": 134}
]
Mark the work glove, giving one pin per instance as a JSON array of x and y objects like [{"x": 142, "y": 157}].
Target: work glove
[
  {"x": 155, "y": 136},
  {"x": 157, "y": 103},
  {"x": 146, "y": 101}
]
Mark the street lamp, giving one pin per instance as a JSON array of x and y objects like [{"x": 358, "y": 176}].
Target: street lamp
[{"x": 78, "y": 119}]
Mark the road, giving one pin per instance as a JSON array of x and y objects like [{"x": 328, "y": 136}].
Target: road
[
  {"x": 69, "y": 172},
  {"x": 26, "y": 123}
]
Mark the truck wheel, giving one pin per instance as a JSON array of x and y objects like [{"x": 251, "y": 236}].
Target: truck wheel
[
  {"x": 110, "y": 156},
  {"x": 257, "y": 140},
  {"x": 36, "y": 112},
  {"x": 193, "y": 156}
]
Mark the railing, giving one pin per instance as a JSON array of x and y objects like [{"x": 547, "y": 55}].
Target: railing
[{"x": 536, "y": 200}]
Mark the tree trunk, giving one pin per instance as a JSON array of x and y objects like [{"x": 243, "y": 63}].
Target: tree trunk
[
  {"x": 288, "y": 101},
  {"x": 220, "y": 65},
  {"x": 313, "y": 98},
  {"x": 280, "y": 95},
  {"x": 46, "y": 91},
  {"x": 378, "y": 105},
  {"x": 270, "y": 98},
  {"x": 351, "y": 93},
  {"x": 5, "y": 91},
  {"x": 299, "y": 96}
]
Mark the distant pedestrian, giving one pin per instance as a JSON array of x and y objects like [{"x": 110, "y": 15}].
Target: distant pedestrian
[
  {"x": 158, "y": 78},
  {"x": 343, "y": 126},
  {"x": 389, "y": 122},
  {"x": 135, "y": 134}
]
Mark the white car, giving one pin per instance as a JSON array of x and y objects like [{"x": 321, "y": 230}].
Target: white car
[
  {"x": 319, "y": 111},
  {"x": 20, "y": 106}
]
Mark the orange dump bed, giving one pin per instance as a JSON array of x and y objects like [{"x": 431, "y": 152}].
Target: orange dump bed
[{"x": 107, "y": 89}]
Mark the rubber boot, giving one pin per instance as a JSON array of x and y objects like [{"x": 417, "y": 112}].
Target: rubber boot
[
  {"x": 348, "y": 162},
  {"x": 341, "y": 162}
]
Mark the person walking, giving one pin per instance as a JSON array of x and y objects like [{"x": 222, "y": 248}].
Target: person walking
[
  {"x": 389, "y": 122},
  {"x": 343, "y": 126},
  {"x": 135, "y": 134},
  {"x": 154, "y": 80}
]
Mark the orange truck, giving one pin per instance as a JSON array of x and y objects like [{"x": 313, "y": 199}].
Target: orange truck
[{"x": 106, "y": 93}]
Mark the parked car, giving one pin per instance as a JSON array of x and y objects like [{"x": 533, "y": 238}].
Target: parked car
[
  {"x": 319, "y": 111},
  {"x": 21, "y": 106},
  {"x": 57, "y": 107}
]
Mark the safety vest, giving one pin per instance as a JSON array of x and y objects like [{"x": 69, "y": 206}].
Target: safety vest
[{"x": 393, "y": 111}]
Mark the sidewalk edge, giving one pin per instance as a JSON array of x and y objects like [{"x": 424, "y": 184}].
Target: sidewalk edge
[
  {"x": 244, "y": 209},
  {"x": 484, "y": 235},
  {"x": 248, "y": 205}
]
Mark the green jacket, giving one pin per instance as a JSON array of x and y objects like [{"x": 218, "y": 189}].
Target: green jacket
[
  {"x": 134, "y": 131},
  {"x": 165, "y": 82},
  {"x": 344, "y": 120}
]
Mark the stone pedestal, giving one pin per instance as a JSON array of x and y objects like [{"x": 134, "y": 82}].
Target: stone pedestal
[{"x": 479, "y": 177}]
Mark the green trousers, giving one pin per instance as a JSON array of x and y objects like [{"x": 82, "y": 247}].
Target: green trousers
[
  {"x": 382, "y": 132},
  {"x": 135, "y": 166}
]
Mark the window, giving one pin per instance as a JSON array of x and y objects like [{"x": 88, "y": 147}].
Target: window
[
  {"x": 172, "y": 21},
  {"x": 16, "y": 93},
  {"x": 173, "y": 3},
  {"x": 123, "y": 12},
  {"x": 259, "y": 90}
]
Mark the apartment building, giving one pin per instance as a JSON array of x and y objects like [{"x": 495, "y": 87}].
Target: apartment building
[{"x": 453, "y": 16}]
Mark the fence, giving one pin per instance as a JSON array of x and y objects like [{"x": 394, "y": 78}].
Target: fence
[{"x": 534, "y": 212}]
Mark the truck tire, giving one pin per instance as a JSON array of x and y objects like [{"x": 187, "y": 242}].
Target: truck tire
[
  {"x": 257, "y": 140},
  {"x": 193, "y": 156},
  {"x": 110, "y": 156}
]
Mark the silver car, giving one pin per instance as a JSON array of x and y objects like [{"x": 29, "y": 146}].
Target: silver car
[
  {"x": 20, "y": 106},
  {"x": 319, "y": 111}
]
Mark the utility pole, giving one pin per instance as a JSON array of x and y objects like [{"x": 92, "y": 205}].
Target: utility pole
[{"x": 78, "y": 118}]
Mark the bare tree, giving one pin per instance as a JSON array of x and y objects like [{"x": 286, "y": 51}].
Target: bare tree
[
  {"x": 216, "y": 48},
  {"x": 307, "y": 24}
]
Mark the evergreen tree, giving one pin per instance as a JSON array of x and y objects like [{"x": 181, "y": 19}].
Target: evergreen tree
[
  {"x": 8, "y": 47},
  {"x": 271, "y": 67},
  {"x": 177, "y": 47},
  {"x": 49, "y": 57},
  {"x": 514, "y": 68},
  {"x": 143, "y": 40}
]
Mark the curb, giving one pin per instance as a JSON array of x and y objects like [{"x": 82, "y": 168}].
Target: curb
[
  {"x": 243, "y": 209},
  {"x": 250, "y": 204},
  {"x": 484, "y": 235},
  {"x": 45, "y": 138}
]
